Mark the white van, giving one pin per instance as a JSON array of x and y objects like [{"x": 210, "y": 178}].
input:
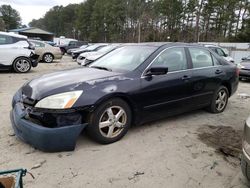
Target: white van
[{"x": 16, "y": 53}]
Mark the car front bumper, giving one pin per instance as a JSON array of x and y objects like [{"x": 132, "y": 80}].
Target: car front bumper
[
  {"x": 43, "y": 138},
  {"x": 244, "y": 73},
  {"x": 34, "y": 59},
  {"x": 245, "y": 159}
]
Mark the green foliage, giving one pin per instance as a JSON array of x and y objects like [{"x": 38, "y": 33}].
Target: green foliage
[
  {"x": 11, "y": 18},
  {"x": 2, "y": 25},
  {"x": 150, "y": 20}
]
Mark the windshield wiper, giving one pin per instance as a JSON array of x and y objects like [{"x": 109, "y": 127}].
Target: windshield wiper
[{"x": 102, "y": 68}]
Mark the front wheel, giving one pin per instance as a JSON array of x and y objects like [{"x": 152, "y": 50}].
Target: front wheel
[
  {"x": 110, "y": 121},
  {"x": 22, "y": 65},
  {"x": 219, "y": 101}
]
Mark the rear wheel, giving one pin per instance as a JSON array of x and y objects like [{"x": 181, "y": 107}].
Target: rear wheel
[
  {"x": 219, "y": 101},
  {"x": 48, "y": 58},
  {"x": 110, "y": 121},
  {"x": 22, "y": 65}
]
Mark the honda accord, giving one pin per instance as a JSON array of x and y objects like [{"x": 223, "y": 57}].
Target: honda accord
[{"x": 131, "y": 85}]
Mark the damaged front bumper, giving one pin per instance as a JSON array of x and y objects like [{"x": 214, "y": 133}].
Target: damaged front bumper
[
  {"x": 34, "y": 59},
  {"x": 43, "y": 138}
]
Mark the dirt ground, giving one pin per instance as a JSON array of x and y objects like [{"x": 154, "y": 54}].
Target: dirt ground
[{"x": 195, "y": 149}]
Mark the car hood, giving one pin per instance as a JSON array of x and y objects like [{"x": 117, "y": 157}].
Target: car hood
[
  {"x": 228, "y": 58},
  {"x": 64, "y": 81},
  {"x": 94, "y": 57},
  {"x": 80, "y": 50}
]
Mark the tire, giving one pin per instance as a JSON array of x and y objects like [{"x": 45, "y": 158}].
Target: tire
[
  {"x": 63, "y": 50},
  {"x": 113, "y": 128},
  {"x": 48, "y": 58},
  {"x": 219, "y": 103},
  {"x": 245, "y": 168},
  {"x": 22, "y": 65}
]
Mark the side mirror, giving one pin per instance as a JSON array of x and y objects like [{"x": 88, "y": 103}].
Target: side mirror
[
  {"x": 156, "y": 71},
  {"x": 244, "y": 58}
]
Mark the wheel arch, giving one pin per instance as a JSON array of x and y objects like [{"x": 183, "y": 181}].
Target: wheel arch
[
  {"x": 48, "y": 53},
  {"x": 22, "y": 56},
  {"x": 228, "y": 86},
  {"x": 133, "y": 107}
]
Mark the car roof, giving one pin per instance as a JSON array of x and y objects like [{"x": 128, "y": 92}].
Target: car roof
[
  {"x": 166, "y": 44},
  {"x": 33, "y": 40},
  {"x": 13, "y": 35}
]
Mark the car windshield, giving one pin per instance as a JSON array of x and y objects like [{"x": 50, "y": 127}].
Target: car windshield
[{"x": 124, "y": 59}]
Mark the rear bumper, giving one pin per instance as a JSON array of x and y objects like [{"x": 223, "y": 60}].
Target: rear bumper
[
  {"x": 43, "y": 138},
  {"x": 58, "y": 56}
]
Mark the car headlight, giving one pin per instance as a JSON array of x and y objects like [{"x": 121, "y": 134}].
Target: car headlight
[
  {"x": 241, "y": 66},
  {"x": 59, "y": 101}
]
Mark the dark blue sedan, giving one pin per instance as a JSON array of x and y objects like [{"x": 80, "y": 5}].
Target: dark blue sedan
[{"x": 133, "y": 84}]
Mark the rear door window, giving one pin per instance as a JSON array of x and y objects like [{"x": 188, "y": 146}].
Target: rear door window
[{"x": 201, "y": 58}]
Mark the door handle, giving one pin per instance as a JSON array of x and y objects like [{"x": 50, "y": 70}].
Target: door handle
[
  {"x": 186, "y": 77},
  {"x": 218, "y": 71}
]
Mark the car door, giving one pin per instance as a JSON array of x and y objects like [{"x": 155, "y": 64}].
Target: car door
[
  {"x": 166, "y": 94},
  {"x": 6, "y": 50},
  {"x": 207, "y": 74}
]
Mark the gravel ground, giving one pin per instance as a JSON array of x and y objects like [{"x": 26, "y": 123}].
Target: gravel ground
[{"x": 188, "y": 150}]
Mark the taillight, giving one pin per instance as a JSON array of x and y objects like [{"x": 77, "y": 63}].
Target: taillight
[{"x": 237, "y": 71}]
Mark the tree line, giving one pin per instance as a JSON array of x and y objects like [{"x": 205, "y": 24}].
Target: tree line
[
  {"x": 9, "y": 18},
  {"x": 150, "y": 20}
]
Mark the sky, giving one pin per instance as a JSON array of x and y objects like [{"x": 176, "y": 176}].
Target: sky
[{"x": 35, "y": 9}]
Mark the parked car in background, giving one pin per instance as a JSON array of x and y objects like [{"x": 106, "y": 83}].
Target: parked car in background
[
  {"x": 71, "y": 44},
  {"x": 130, "y": 85},
  {"x": 87, "y": 58},
  {"x": 244, "y": 66},
  {"x": 17, "y": 53},
  {"x": 46, "y": 52},
  {"x": 221, "y": 52},
  {"x": 69, "y": 52},
  {"x": 90, "y": 48},
  {"x": 245, "y": 159},
  {"x": 51, "y": 43}
]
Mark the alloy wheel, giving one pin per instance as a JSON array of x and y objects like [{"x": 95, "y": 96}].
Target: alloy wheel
[
  {"x": 112, "y": 121},
  {"x": 22, "y": 65},
  {"x": 221, "y": 100},
  {"x": 48, "y": 58}
]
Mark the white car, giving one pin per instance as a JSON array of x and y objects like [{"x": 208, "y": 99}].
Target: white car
[
  {"x": 221, "y": 52},
  {"x": 88, "y": 57},
  {"x": 16, "y": 53}
]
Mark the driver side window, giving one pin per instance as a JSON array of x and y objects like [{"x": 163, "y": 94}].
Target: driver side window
[{"x": 174, "y": 59}]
